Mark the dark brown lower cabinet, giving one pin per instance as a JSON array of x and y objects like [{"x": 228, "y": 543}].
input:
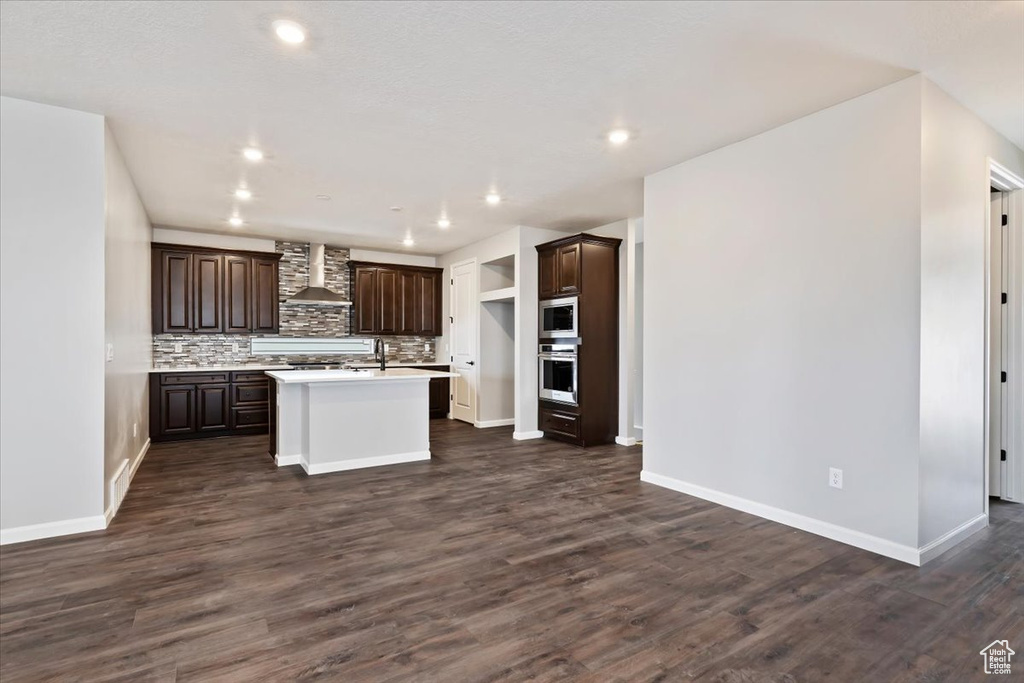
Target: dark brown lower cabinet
[
  {"x": 439, "y": 393},
  {"x": 206, "y": 404}
]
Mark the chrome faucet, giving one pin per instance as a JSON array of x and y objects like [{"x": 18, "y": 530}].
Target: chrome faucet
[{"x": 378, "y": 353}]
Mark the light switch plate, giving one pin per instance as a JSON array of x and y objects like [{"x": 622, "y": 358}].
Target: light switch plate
[{"x": 110, "y": 353}]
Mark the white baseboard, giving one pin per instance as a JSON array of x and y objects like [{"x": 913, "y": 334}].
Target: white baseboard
[
  {"x": 138, "y": 459},
  {"x": 943, "y": 543},
  {"x": 487, "y": 424},
  {"x": 897, "y": 551},
  {"x": 286, "y": 460},
  {"x": 625, "y": 440},
  {"x": 525, "y": 436},
  {"x": 64, "y": 527},
  {"x": 360, "y": 463}
]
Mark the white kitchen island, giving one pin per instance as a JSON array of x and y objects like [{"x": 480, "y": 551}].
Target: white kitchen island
[{"x": 333, "y": 420}]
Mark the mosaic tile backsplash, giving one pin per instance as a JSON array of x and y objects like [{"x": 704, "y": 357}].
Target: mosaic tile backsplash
[{"x": 296, "y": 320}]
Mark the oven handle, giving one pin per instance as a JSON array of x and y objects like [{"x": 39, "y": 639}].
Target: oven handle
[{"x": 557, "y": 356}]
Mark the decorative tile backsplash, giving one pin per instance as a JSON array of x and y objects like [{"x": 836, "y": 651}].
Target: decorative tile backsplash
[{"x": 296, "y": 320}]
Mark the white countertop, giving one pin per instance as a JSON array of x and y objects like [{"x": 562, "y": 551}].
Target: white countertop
[{"x": 316, "y": 376}]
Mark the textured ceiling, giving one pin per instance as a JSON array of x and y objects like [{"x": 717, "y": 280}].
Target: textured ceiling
[{"x": 428, "y": 105}]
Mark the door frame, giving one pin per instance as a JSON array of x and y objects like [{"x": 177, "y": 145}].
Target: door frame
[
  {"x": 451, "y": 337},
  {"x": 1013, "y": 186}
]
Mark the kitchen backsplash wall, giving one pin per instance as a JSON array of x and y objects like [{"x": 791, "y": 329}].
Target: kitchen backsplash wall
[{"x": 296, "y": 320}]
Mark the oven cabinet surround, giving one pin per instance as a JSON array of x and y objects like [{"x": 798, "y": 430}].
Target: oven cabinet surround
[
  {"x": 194, "y": 405},
  {"x": 214, "y": 291},
  {"x": 395, "y": 299},
  {"x": 585, "y": 266},
  {"x": 334, "y": 420}
]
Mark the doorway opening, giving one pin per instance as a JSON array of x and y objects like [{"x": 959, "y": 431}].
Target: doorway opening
[{"x": 1004, "y": 463}]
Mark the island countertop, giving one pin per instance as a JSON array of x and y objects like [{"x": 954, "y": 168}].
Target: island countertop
[{"x": 391, "y": 374}]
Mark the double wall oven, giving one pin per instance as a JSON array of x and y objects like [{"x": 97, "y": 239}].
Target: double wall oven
[{"x": 558, "y": 372}]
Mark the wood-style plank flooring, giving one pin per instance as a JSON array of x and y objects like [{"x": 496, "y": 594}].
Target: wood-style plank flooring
[{"x": 496, "y": 561}]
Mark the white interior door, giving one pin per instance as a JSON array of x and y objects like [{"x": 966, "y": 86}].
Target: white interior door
[{"x": 463, "y": 341}]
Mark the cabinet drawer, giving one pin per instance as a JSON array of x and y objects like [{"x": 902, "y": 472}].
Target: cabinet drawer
[
  {"x": 249, "y": 376},
  {"x": 249, "y": 417},
  {"x": 559, "y": 423},
  {"x": 197, "y": 378},
  {"x": 242, "y": 394}
]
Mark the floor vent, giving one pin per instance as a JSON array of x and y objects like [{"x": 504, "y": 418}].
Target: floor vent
[{"x": 119, "y": 486}]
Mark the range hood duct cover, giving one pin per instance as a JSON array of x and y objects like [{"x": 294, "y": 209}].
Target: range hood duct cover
[{"x": 316, "y": 293}]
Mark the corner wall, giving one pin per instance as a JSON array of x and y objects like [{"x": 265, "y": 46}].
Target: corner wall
[
  {"x": 782, "y": 322},
  {"x": 52, "y": 303},
  {"x": 127, "y": 320},
  {"x": 956, "y": 147}
]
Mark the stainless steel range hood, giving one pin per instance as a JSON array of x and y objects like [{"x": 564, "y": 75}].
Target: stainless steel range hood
[{"x": 316, "y": 293}]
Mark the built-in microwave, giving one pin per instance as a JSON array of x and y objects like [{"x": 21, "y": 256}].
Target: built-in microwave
[
  {"x": 559, "y": 317},
  {"x": 558, "y": 373}
]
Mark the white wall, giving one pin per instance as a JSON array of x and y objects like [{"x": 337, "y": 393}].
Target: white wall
[
  {"x": 497, "y": 364},
  {"x": 518, "y": 242},
  {"x": 954, "y": 197},
  {"x": 52, "y": 303},
  {"x": 392, "y": 257},
  {"x": 782, "y": 319},
  {"x": 127, "y": 318},
  {"x": 213, "y": 240}
]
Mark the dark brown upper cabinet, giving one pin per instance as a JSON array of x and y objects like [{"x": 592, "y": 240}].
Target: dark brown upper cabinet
[
  {"x": 210, "y": 291},
  {"x": 364, "y": 301},
  {"x": 547, "y": 266},
  {"x": 395, "y": 299},
  {"x": 409, "y": 297},
  {"x": 265, "y": 297},
  {"x": 172, "y": 291},
  {"x": 559, "y": 270},
  {"x": 388, "y": 303},
  {"x": 428, "y": 304}
]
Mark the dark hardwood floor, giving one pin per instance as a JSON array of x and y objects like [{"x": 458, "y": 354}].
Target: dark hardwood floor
[{"x": 496, "y": 561}]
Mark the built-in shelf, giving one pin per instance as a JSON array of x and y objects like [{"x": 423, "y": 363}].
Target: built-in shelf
[
  {"x": 499, "y": 273},
  {"x": 505, "y": 294}
]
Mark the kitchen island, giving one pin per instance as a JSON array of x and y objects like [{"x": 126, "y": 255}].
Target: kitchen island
[{"x": 333, "y": 420}]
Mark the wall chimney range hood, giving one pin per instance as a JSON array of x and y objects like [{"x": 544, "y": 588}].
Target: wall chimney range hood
[{"x": 316, "y": 293}]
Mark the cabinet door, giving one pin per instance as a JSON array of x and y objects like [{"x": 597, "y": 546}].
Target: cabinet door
[
  {"x": 237, "y": 294},
  {"x": 387, "y": 301},
  {"x": 208, "y": 278},
  {"x": 569, "y": 269},
  {"x": 265, "y": 300},
  {"x": 172, "y": 294},
  {"x": 408, "y": 297},
  {"x": 548, "y": 269},
  {"x": 211, "y": 407},
  {"x": 428, "y": 311},
  {"x": 177, "y": 410},
  {"x": 364, "y": 284}
]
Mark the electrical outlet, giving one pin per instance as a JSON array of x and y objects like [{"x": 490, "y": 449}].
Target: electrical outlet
[
  {"x": 387, "y": 347},
  {"x": 110, "y": 353},
  {"x": 426, "y": 346},
  {"x": 177, "y": 347},
  {"x": 835, "y": 477},
  {"x": 135, "y": 429},
  {"x": 234, "y": 348}
]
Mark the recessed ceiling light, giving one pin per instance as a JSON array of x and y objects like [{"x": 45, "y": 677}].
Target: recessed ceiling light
[
  {"x": 289, "y": 31},
  {"x": 235, "y": 221},
  {"x": 619, "y": 136},
  {"x": 252, "y": 154},
  {"x": 444, "y": 223},
  {"x": 493, "y": 198},
  {"x": 243, "y": 193},
  {"x": 396, "y": 208},
  {"x": 323, "y": 197},
  {"x": 408, "y": 241}
]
